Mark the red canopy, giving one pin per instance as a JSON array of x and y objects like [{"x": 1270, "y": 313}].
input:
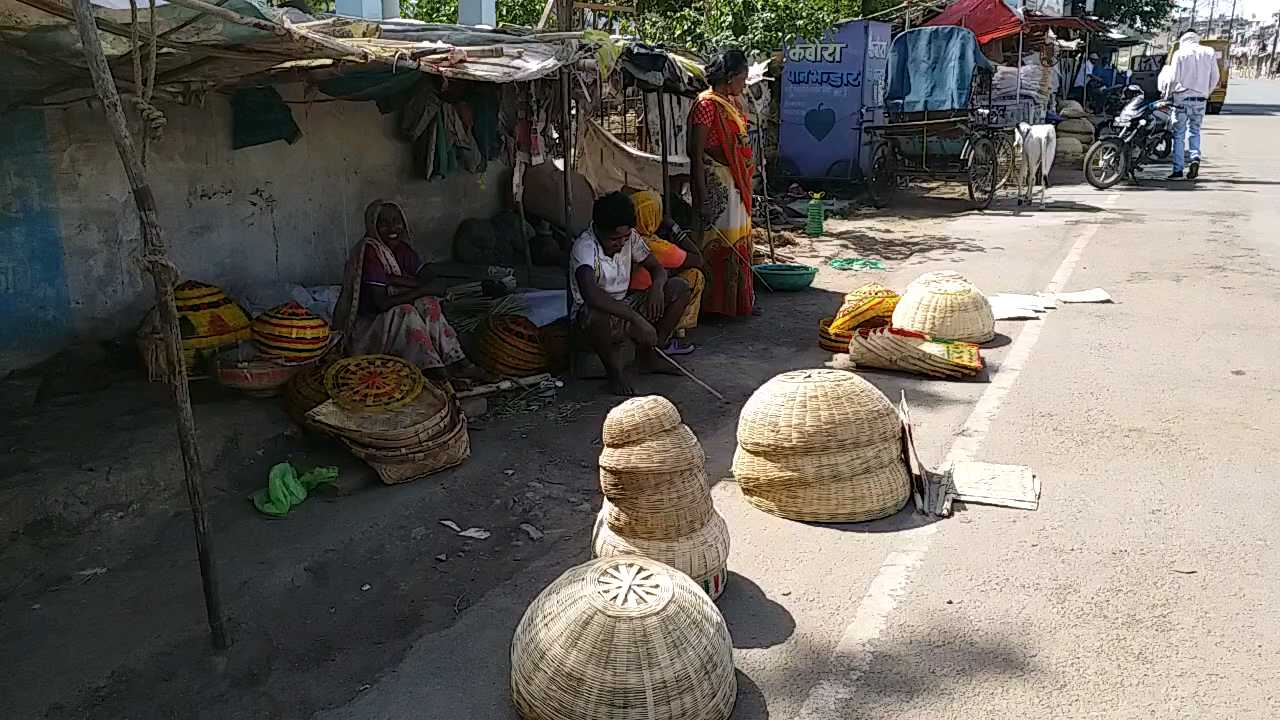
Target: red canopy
[{"x": 993, "y": 19}]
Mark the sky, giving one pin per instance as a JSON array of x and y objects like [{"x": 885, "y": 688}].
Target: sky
[{"x": 1244, "y": 8}]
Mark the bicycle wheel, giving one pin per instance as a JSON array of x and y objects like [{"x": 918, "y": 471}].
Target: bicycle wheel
[
  {"x": 883, "y": 180},
  {"x": 1006, "y": 160},
  {"x": 982, "y": 172}
]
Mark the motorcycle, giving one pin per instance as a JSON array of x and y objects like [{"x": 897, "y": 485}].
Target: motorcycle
[{"x": 1139, "y": 134}]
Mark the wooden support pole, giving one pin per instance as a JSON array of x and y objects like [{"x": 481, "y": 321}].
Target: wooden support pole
[{"x": 163, "y": 276}]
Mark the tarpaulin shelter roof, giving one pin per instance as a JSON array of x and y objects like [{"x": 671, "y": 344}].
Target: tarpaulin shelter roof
[
  {"x": 994, "y": 19},
  {"x": 203, "y": 45}
]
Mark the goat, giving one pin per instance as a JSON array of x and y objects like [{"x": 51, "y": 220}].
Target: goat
[{"x": 1036, "y": 145}]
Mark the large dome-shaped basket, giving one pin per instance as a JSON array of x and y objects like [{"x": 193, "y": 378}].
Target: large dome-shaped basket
[
  {"x": 947, "y": 307},
  {"x": 622, "y": 638}
]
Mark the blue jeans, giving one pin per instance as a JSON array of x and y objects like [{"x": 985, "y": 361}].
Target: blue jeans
[{"x": 1188, "y": 115}]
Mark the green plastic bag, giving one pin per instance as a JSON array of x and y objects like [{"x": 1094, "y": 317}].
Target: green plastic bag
[{"x": 286, "y": 489}]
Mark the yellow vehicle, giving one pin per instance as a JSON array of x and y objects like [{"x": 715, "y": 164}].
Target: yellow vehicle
[{"x": 1218, "y": 97}]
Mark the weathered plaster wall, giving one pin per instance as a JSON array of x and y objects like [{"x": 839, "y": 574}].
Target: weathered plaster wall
[{"x": 243, "y": 219}]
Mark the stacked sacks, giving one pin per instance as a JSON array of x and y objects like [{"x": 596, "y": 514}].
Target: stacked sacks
[
  {"x": 869, "y": 306},
  {"x": 821, "y": 446},
  {"x": 622, "y": 638},
  {"x": 653, "y": 475},
  {"x": 947, "y": 306},
  {"x": 1075, "y": 134}
]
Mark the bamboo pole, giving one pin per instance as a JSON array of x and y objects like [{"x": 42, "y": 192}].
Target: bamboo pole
[{"x": 162, "y": 274}]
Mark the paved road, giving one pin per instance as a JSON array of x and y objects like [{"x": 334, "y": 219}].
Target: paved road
[{"x": 1146, "y": 584}]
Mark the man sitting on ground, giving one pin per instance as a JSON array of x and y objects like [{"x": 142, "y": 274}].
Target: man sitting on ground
[{"x": 604, "y": 313}]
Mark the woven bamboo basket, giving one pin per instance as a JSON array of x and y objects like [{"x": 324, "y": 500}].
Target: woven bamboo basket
[
  {"x": 639, "y": 418},
  {"x": 785, "y": 471},
  {"x": 939, "y": 275},
  {"x": 454, "y": 451},
  {"x": 413, "y": 453},
  {"x": 816, "y": 410},
  {"x": 948, "y": 308},
  {"x": 510, "y": 345},
  {"x": 872, "y": 304},
  {"x": 622, "y": 638},
  {"x": 673, "y": 489},
  {"x": 702, "y": 555},
  {"x": 418, "y": 421},
  {"x": 791, "y": 490},
  {"x": 667, "y": 525},
  {"x": 670, "y": 450},
  {"x": 832, "y": 342}
]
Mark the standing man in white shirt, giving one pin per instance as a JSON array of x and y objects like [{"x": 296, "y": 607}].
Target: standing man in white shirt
[
  {"x": 604, "y": 311},
  {"x": 1192, "y": 75}
]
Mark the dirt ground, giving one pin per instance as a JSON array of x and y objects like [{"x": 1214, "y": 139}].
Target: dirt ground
[{"x": 102, "y": 590}]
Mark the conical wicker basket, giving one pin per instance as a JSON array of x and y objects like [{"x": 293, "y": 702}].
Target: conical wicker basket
[
  {"x": 666, "y": 525},
  {"x": 702, "y": 555},
  {"x": 655, "y": 491},
  {"x": 839, "y": 486},
  {"x": 667, "y": 451},
  {"x": 639, "y": 418},
  {"x": 814, "y": 411},
  {"x": 622, "y": 638},
  {"x": 939, "y": 275},
  {"x": 950, "y": 308}
]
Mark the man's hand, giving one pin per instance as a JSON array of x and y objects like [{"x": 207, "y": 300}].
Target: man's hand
[
  {"x": 654, "y": 303},
  {"x": 645, "y": 334}
]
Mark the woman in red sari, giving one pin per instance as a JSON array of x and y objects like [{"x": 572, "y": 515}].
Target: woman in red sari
[{"x": 721, "y": 172}]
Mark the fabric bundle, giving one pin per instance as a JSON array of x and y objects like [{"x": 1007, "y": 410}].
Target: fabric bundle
[
  {"x": 821, "y": 446},
  {"x": 654, "y": 479}
]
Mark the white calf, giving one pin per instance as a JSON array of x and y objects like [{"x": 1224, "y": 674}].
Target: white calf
[{"x": 1036, "y": 145}]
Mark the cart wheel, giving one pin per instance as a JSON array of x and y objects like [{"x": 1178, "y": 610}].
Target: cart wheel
[
  {"x": 983, "y": 168},
  {"x": 1006, "y": 161},
  {"x": 883, "y": 181}
]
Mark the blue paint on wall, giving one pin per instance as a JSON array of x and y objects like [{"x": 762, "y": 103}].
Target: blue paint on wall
[{"x": 34, "y": 302}]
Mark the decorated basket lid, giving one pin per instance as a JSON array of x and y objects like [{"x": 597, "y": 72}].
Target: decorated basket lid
[
  {"x": 208, "y": 320},
  {"x": 291, "y": 332}
]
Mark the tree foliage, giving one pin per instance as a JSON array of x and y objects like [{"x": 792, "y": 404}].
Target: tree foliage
[
  {"x": 1144, "y": 15},
  {"x": 702, "y": 25}
]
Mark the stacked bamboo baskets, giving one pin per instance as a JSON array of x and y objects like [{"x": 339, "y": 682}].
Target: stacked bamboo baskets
[
  {"x": 868, "y": 306},
  {"x": 821, "y": 446},
  {"x": 947, "y": 306},
  {"x": 654, "y": 479},
  {"x": 406, "y": 443},
  {"x": 622, "y": 638}
]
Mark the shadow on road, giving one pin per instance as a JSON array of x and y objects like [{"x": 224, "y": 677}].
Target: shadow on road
[
  {"x": 750, "y": 702},
  {"x": 754, "y": 620},
  {"x": 1251, "y": 110}
]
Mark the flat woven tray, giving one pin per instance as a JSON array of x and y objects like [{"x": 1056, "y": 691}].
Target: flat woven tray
[{"x": 373, "y": 383}]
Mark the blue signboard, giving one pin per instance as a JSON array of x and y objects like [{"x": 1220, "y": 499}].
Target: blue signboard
[{"x": 829, "y": 90}]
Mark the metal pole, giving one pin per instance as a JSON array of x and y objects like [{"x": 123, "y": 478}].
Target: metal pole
[
  {"x": 1231, "y": 32},
  {"x": 163, "y": 276},
  {"x": 1208, "y": 32},
  {"x": 564, "y": 19},
  {"x": 662, "y": 144}
]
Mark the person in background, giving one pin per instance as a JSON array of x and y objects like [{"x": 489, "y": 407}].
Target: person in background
[
  {"x": 1186, "y": 82},
  {"x": 720, "y": 175},
  {"x": 605, "y": 311},
  {"x": 386, "y": 308},
  {"x": 673, "y": 247}
]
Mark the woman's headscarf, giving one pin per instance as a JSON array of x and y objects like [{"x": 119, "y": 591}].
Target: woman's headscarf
[
  {"x": 648, "y": 206},
  {"x": 348, "y": 307}
]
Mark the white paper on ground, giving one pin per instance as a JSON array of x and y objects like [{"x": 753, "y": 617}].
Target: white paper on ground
[
  {"x": 982, "y": 483},
  {"x": 1012, "y": 306},
  {"x": 1096, "y": 295}
]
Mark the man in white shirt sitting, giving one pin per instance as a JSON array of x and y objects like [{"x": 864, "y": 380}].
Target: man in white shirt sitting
[
  {"x": 604, "y": 312},
  {"x": 1191, "y": 75}
]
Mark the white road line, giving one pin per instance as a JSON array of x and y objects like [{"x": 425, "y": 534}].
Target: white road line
[{"x": 831, "y": 697}]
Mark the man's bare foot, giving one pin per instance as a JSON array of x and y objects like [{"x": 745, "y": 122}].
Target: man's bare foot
[{"x": 618, "y": 385}]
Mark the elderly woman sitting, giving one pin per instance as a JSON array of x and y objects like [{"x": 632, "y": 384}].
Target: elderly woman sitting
[{"x": 386, "y": 307}]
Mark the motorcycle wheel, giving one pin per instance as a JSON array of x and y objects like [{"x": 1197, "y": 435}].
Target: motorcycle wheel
[
  {"x": 1106, "y": 163},
  {"x": 1161, "y": 148}
]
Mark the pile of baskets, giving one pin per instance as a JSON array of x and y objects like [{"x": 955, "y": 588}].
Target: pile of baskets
[
  {"x": 657, "y": 504},
  {"x": 404, "y": 427},
  {"x": 622, "y": 638},
  {"x": 821, "y": 446},
  {"x": 869, "y": 306}
]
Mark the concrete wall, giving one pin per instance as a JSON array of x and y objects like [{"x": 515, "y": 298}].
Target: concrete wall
[{"x": 244, "y": 219}]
